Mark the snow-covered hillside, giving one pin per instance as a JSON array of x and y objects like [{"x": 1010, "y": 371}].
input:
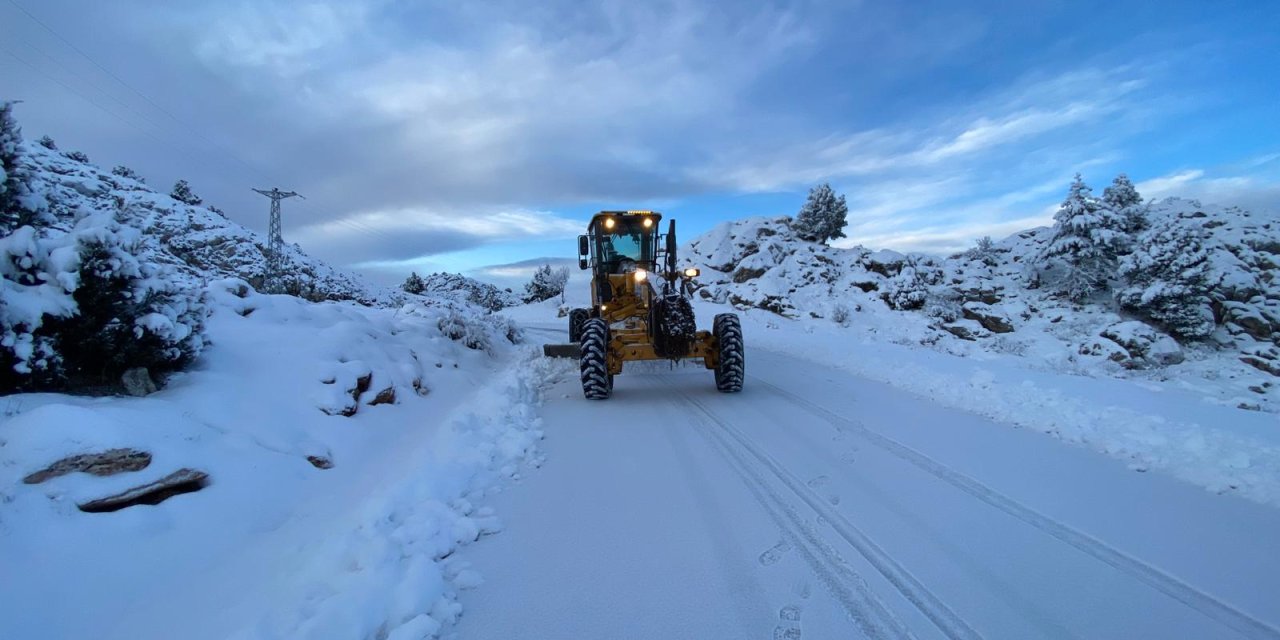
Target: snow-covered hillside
[
  {"x": 336, "y": 455},
  {"x": 197, "y": 240},
  {"x": 988, "y": 300}
]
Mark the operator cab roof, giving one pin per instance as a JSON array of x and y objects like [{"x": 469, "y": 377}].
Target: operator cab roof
[{"x": 632, "y": 214}]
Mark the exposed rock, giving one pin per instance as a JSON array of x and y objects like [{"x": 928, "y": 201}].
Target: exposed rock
[
  {"x": 177, "y": 483},
  {"x": 885, "y": 262},
  {"x": 966, "y": 330},
  {"x": 991, "y": 319},
  {"x": 1108, "y": 350},
  {"x": 320, "y": 462},
  {"x": 106, "y": 463},
  {"x": 1249, "y": 318},
  {"x": 386, "y": 396},
  {"x": 137, "y": 382},
  {"x": 1262, "y": 364},
  {"x": 867, "y": 286},
  {"x": 985, "y": 295},
  {"x": 744, "y": 274},
  {"x": 1143, "y": 343},
  {"x": 420, "y": 387}
]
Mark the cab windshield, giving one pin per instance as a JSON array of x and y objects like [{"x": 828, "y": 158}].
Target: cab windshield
[{"x": 628, "y": 240}]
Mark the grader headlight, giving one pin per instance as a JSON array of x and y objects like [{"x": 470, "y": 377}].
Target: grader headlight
[
  {"x": 641, "y": 275},
  {"x": 609, "y": 223},
  {"x": 691, "y": 272},
  {"x": 648, "y": 222}
]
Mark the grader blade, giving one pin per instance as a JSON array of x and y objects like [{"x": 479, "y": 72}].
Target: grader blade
[{"x": 561, "y": 351}]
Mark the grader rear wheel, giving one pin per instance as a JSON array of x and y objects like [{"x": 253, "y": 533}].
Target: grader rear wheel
[
  {"x": 731, "y": 368},
  {"x": 577, "y": 318}
]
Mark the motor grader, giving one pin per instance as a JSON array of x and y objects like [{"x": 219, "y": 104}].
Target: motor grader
[{"x": 640, "y": 306}]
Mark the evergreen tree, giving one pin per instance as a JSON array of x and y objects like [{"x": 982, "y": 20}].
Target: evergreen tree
[
  {"x": 1123, "y": 198},
  {"x": 1087, "y": 236},
  {"x": 823, "y": 216},
  {"x": 414, "y": 284},
  {"x": 12, "y": 185},
  {"x": 546, "y": 284},
  {"x": 1166, "y": 279},
  {"x": 78, "y": 156},
  {"x": 182, "y": 193}
]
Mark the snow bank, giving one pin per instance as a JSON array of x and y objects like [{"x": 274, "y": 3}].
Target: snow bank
[
  {"x": 313, "y": 524},
  {"x": 1148, "y": 426}
]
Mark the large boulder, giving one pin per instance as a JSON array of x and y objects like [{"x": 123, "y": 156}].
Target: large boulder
[
  {"x": 966, "y": 329},
  {"x": 1144, "y": 344},
  {"x": 991, "y": 319},
  {"x": 885, "y": 262}
]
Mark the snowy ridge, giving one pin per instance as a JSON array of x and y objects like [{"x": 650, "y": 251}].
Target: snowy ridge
[
  {"x": 197, "y": 240},
  {"x": 989, "y": 301}
]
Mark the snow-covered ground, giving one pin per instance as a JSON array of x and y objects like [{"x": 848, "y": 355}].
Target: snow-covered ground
[
  {"x": 274, "y": 546},
  {"x": 864, "y": 489},
  {"x": 855, "y": 488}
]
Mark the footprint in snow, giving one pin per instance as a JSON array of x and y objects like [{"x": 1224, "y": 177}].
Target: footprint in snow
[
  {"x": 774, "y": 553},
  {"x": 819, "y": 481},
  {"x": 789, "y": 626}
]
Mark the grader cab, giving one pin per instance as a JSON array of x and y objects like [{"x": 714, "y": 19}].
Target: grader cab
[{"x": 640, "y": 306}]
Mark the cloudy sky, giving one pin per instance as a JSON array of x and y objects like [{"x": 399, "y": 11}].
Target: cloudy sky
[{"x": 433, "y": 135}]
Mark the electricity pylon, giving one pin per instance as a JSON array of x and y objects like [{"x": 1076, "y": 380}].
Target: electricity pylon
[{"x": 272, "y": 280}]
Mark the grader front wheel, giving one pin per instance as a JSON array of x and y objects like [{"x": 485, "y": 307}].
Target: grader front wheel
[
  {"x": 597, "y": 384},
  {"x": 731, "y": 368}
]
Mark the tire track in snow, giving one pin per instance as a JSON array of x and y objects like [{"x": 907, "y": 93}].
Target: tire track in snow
[
  {"x": 1167, "y": 584},
  {"x": 862, "y": 605},
  {"x": 903, "y": 580}
]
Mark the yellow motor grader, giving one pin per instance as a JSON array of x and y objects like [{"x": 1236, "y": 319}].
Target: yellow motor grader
[{"x": 640, "y": 306}]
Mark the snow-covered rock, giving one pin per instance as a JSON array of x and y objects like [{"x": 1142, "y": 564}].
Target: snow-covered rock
[{"x": 1144, "y": 344}]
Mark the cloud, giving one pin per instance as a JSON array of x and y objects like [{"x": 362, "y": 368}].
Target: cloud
[
  {"x": 1258, "y": 192},
  {"x": 1058, "y": 105},
  {"x": 402, "y": 235}
]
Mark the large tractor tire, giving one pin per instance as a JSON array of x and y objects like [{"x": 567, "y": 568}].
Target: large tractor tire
[
  {"x": 577, "y": 318},
  {"x": 597, "y": 384},
  {"x": 732, "y": 367}
]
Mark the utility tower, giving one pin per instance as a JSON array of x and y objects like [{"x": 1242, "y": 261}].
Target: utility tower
[{"x": 275, "y": 242}]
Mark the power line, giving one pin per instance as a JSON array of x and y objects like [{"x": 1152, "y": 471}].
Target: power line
[{"x": 193, "y": 130}]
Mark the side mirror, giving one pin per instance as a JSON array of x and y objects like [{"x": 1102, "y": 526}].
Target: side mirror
[
  {"x": 584, "y": 247},
  {"x": 582, "y": 263}
]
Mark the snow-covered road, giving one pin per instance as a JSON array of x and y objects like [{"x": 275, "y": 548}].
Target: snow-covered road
[{"x": 818, "y": 504}]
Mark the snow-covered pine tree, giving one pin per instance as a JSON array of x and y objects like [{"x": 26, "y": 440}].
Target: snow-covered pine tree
[
  {"x": 182, "y": 193},
  {"x": 823, "y": 216},
  {"x": 48, "y": 143},
  {"x": 1166, "y": 279},
  {"x": 1123, "y": 198},
  {"x": 78, "y": 156},
  {"x": 129, "y": 313},
  {"x": 12, "y": 185},
  {"x": 1087, "y": 236},
  {"x": 546, "y": 284},
  {"x": 414, "y": 284}
]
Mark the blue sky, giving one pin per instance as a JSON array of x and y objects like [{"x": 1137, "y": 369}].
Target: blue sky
[{"x": 458, "y": 136}]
